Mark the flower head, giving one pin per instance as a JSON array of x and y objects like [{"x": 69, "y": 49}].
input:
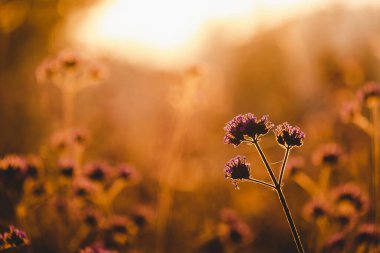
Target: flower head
[
  {"x": 128, "y": 173},
  {"x": 246, "y": 125},
  {"x": 233, "y": 230},
  {"x": 345, "y": 218},
  {"x": 14, "y": 237},
  {"x": 13, "y": 170},
  {"x": 352, "y": 195},
  {"x": 66, "y": 168},
  {"x": 369, "y": 94},
  {"x": 237, "y": 169},
  {"x": 330, "y": 154},
  {"x": 289, "y": 136},
  {"x": 91, "y": 217},
  {"x": 142, "y": 215},
  {"x": 316, "y": 209},
  {"x": 120, "y": 230},
  {"x": 335, "y": 244},
  {"x": 97, "y": 171},
  {"x": 70, "y": 71},
  {"x": 83, "y": 187},
  {"x": 368, "y": 234}
]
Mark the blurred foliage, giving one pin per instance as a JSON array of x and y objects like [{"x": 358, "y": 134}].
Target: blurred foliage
[{"x": 301, "y": 72}]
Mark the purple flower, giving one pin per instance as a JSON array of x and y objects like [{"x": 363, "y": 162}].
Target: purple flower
[
  {"x": 120, "y": 230},
  {"x": 14, "y": 237},
  {"x": 369, "y": 94},
  {"x": 13, "y": 171},
  {"x": 70, "y": 71},
  {"x": 66, "y": 168},
  {"x": 97, "y": 171},
  {"x": 315, "y": 209},
  {"x": 142, "y": 215},
  {"x": 368, "y": 234},
  {"x": 128, "y": 173},
  {"x": 328, "y": 154},
  {"x": 345, "y": 218},
  {"x": 353, "y": 195},
  {"x": 335, "y": 244},
  {"x": 246, "y": 125},
  {"x": 83, "y": 187},
  {"x": 233, "y": 230},
  {"x": 288, "y": 136},
  {"x": 237, "y": 169},
  {"x": 91, "y": 217}
]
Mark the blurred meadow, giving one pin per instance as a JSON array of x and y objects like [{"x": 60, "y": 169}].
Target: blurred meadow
[{"x": 112, "y": 117}]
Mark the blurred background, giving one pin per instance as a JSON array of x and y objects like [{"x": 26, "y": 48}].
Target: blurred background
[{"x": 176, "y": 72}]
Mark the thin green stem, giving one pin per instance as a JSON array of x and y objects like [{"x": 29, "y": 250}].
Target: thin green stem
[
  {"x": 283, "y": 165},
  {"x": 261, "y": 182}
]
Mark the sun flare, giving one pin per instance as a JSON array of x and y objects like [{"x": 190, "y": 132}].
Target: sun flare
[{"x": 169, "y": 31}]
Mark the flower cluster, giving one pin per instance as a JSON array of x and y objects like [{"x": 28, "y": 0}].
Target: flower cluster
[
  {"x": 13, "y": 238},
  {"x": 233, "y": 230},
  {"x": 62, "y": 140},
  {"x": 330, "y": 154},
  {"x": 70, "y": 71},
  {"x": 289, "y": 136},
  {"x": 246, "y": 126},
  {"x": 369, "y": 94},
  {"x": 353, "y": 195},
  {"x": 237, "y": 169}
]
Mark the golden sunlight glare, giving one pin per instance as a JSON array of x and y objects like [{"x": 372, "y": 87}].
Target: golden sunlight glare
[{"x": 169, "y": 31}]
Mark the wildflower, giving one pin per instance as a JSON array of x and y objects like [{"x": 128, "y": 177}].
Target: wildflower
[
  {"x": 83, "y": 187},
  {"x": 316, "y": 209},
  {"x": 14, "y": 237},
  {"x": 335, "y": 244},
  {"x": 120, "y": 230},
  {"x": 97, "y": 171},
  {"x": 246, "y": 126},
  {"x": 368, "y": 234},
  {"x": 33, "y": 165},
  {"x": 70, "y": 71},
  {"x": 345, "y": 218},
  {"x": 351, "y": 194},
  {"x": 69, "y": 60},
  {"x": 237, "y": 169},
  {"x": 62, "y": 139},
  {"x": 128, "y": 173},
  {"x": 66, "y": 168},
  {"x": 142, "y": 215},
  {"x": 288, "y": 136},
  {"x": 91, "y": 217},
  {"x": 13, "y": 170},
  {"x": 369, "y": 94},
  {"x": 330, "y": 154},
  {"x": 233, "y": 230},
  {"x": 294, "y": 166}
]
